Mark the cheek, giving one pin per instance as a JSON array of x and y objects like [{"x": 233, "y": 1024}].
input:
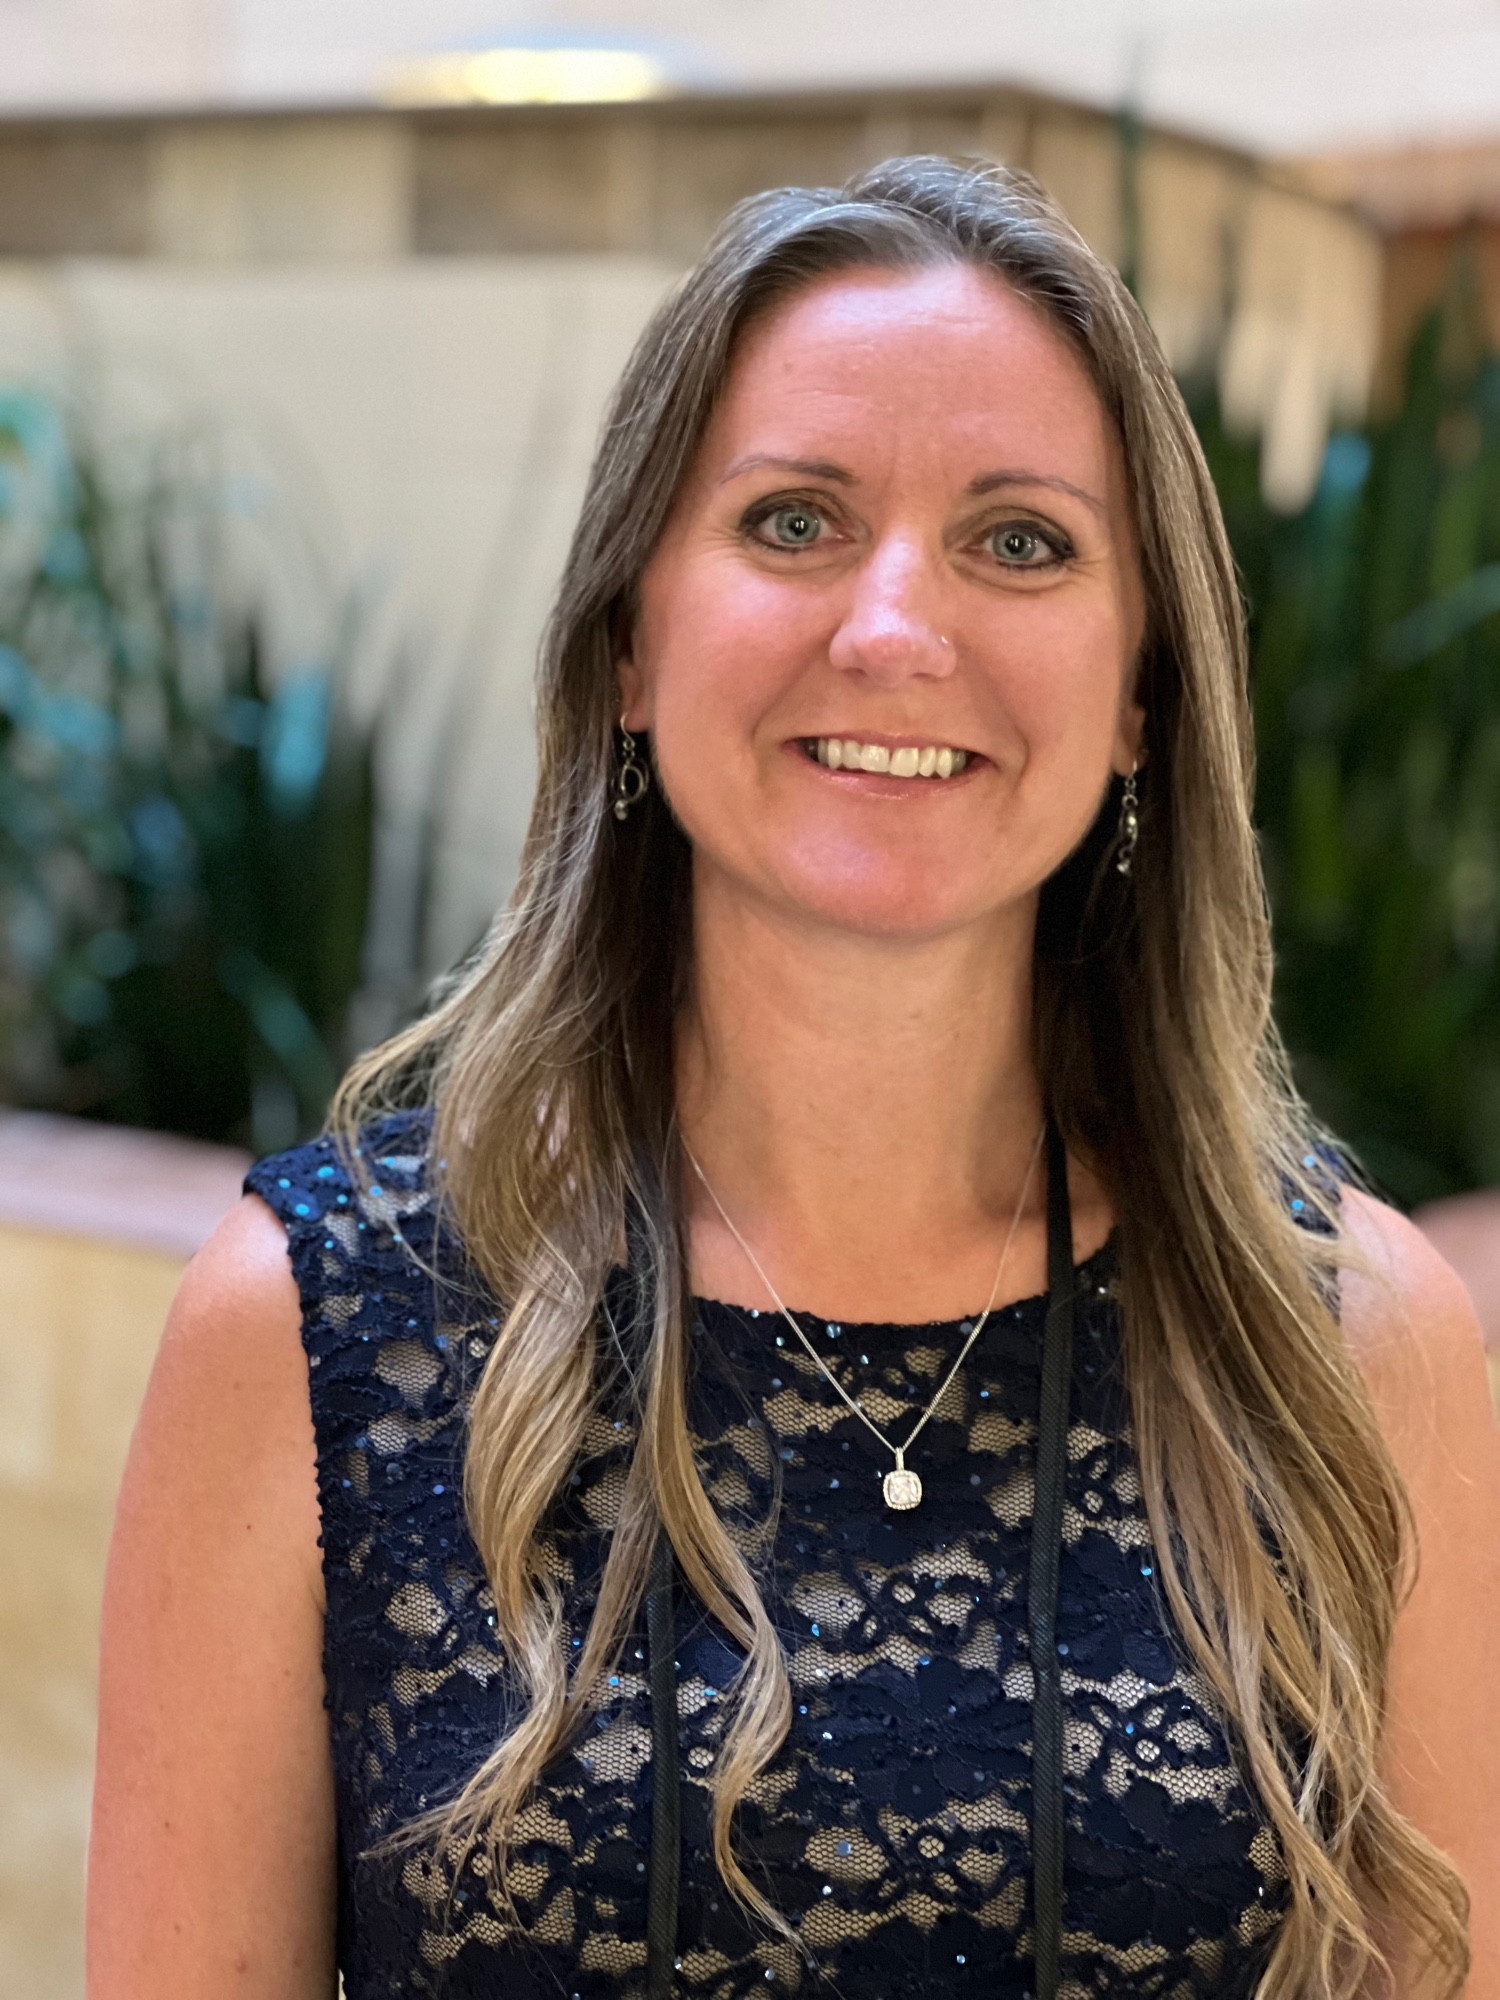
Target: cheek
[
  {"x": 1058, "y": 675},
  {"x": 734, "y": 644}
]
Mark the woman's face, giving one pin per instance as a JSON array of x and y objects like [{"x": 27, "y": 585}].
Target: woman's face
[{"x": 906, "y": 532}]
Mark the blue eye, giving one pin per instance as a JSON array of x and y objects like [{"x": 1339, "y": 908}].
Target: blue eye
[
  {"x": 794, "y": 527},
  {"x": 1022, "y": 547}
]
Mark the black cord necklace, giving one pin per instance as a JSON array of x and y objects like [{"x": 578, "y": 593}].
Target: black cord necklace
[{"x": 1047, "y": 1805}]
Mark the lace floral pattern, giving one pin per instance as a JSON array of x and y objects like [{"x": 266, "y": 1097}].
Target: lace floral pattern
[{"x": 892, "y": 1829}]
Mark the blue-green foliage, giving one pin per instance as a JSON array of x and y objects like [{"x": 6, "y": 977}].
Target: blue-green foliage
[
  {"x": 184, "y": 846},
  {"x": 1376, "y": 648}
]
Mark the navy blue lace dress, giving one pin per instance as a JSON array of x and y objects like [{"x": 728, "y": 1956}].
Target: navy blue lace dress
[{"x": 892, "y": 1828}]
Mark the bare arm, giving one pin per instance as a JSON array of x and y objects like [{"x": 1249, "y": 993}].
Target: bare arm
[
  {"x": 1419, "y": 1343},
  {"x": 211, "y": 1861}
]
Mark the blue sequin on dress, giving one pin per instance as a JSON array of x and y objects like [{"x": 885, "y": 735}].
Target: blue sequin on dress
[{"x": 892, "y": 1827}]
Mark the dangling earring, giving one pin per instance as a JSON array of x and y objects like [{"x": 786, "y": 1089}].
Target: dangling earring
[
  {"x": 1130, "y": 824},
  {"x": 631, "y": 776}
]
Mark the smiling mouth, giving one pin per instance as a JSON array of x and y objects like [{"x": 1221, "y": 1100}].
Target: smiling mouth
[{"x": 905, "y": 760}]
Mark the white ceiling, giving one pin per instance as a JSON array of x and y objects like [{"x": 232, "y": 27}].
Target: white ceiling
[{"x": 1281, "y": 76}]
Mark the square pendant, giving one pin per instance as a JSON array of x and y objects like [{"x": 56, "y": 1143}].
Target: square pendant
[{"x": 902, "y": 1488}]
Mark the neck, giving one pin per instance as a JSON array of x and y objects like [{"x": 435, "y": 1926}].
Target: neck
[{"x": 865, "y": 1108}]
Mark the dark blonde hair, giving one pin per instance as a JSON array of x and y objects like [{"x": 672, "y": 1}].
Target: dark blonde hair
[{"x": 1278, "y": 1514}]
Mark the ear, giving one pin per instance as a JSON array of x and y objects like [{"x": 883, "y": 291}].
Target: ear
[
  {"x": 635, "y": 707},
  {"x": 1129, "y": 750}
]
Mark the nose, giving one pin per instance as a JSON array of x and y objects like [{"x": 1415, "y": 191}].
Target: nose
[{"x": 892, "y": 628}]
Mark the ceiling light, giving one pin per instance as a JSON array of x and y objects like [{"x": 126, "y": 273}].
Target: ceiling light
[{"x": 529, "y": 76}]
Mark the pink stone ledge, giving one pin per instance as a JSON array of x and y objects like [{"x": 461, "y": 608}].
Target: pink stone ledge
[{"x": 146, "y": 1190}]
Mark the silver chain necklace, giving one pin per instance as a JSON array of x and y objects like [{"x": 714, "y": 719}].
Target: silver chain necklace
[{"x": 902, "y": 1487}]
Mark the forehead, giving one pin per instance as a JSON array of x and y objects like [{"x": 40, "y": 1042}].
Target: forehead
[{"x": 948, "y": 359}]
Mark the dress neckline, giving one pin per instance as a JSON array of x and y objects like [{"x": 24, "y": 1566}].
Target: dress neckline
[{"x": 1096, "y": 1269}]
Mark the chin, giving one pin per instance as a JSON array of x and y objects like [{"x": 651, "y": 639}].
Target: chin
[{"x": 887, "y": 901}]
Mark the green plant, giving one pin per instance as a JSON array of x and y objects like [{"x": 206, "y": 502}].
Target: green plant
[
  {"x": 184, "y": 841},
  {"x": 1375, "y": 620}
]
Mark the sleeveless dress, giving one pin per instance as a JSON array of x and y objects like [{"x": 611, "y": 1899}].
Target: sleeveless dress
[{"x": 892, "y": 1828}]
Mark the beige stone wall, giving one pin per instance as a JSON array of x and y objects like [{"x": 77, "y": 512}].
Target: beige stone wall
[
  {"x": 80, "y": 1325},
  {"x": 1218, "y": 233}
]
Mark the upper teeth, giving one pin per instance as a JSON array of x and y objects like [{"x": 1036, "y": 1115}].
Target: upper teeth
[{"x": 911, "y": 760}]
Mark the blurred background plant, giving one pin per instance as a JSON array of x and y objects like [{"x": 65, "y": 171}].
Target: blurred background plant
[
  {"x": 1376, "y": 648},
  {"x": 185, "y": 839}
]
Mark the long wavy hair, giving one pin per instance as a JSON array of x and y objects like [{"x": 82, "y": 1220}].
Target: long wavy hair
[{"x": 1280, "y": 1522}]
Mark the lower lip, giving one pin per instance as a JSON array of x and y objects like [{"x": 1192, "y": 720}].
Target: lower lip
[{"x": 880, "y": 784}]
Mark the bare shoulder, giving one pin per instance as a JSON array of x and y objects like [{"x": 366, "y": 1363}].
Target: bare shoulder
[
  {"x": 1412, "y": 1327},
  {"x": 1416, "y": 1336},
  {"x": 230, "y": 1387},
  {"x": 240, "y": 1282},
  {"x": 213, "y": 1799},
  {"x": 1406, "y": 1274},
  {"x": 225, "y": 1429}
]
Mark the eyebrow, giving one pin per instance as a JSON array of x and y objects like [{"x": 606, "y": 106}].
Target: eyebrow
[
  {"x": 809, "y": 468},
  {"x": 994, "y": 482},
  {"x": 840, "y": 475}
]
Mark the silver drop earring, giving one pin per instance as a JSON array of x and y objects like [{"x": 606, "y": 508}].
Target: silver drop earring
[
  {"x": 631, "y": 776},
  {"x": 1130, "y": 824}
]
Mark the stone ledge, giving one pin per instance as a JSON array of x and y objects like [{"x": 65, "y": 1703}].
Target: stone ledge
[{"x": 148, "y": 1190}]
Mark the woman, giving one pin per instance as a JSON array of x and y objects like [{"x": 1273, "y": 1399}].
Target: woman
[{"x": 1070, "y": 1644}]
